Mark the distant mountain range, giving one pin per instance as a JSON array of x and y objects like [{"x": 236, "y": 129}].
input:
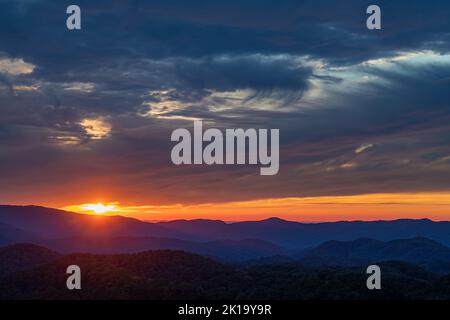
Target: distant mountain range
[
  {"x": 422, "y": 252},
  {"x": 291, "y": 234},
  {"x": 420, "y": 242},
  {"x": 52, "y": 223},
  {"x": 208, "y": 259}
]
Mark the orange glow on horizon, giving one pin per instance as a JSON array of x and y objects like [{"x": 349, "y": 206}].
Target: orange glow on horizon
[
  {"x": 93, "y": 208},
  {"x": 435, "y": 206}
]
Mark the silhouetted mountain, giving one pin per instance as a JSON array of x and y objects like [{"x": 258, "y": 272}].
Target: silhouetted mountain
[
  {"x": 52, "y": 223},
  {"x": 227, "y": 250},
  {"x": 10, "y": 234},
  {"x": 272, "y": 260},
  {"x": 418, "y": 251},
  {"x": 206, "y": 229},
  {"x": 182, "y": 276},
  {"x": 71, "y": 232},
  {"x": 147, "y": 275},
  {"x": 24, "y": 256},
  {"x": 295, "y": 234}
]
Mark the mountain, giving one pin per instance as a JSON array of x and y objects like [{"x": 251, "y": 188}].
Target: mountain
[
  {"x": 295, "y": 234},
  {"x": 233, "y": 242},
  {"x": 10, "y": 234},
  {"x": 53, "y": 223},
  {"x": 203, "y": 228},
  {"x": 225, "y": 250},
  {"x": 418, "y": 251},
  {"x": 24, "y": 256},
  {"x": 272, "y": 258},
  {"x": 70, "y": 232},
  {"x": 145, "y": 275},
  {"x": 175, "y": 275}
]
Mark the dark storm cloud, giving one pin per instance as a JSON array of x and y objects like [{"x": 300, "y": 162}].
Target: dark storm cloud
[
  {"x": 248, "y": 72},
  {"x": 159, "y": 29}
]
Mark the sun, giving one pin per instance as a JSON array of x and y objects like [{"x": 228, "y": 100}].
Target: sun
[{"x": 98, "y": 208}]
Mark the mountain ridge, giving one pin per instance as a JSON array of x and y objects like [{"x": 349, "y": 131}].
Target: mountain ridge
[
  {"x": 419, "y": 251},
  {"x": 51, "y": 224},
  {"x": 177, "y": 275}
]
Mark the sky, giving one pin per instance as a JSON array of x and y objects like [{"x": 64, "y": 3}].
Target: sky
[{"x": 86, "y": 115}]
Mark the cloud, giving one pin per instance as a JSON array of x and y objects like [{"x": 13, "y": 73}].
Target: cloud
[
  {"x": 258, "y": 72},
  {"x": 79, "y": 86},
  {"x": 100, "y": 103},
  {"x": 15, "y": 66},
  {"x": 363, "y": 148},
  {"x": 96, "y": 128}
]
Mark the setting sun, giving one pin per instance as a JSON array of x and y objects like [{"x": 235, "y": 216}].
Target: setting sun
[
  {"x": 98, "y": 208},
  {"x": 94, "y": 208}
]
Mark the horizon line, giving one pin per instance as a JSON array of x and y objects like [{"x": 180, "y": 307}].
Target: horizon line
[{"x": 113, "y": 214}]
